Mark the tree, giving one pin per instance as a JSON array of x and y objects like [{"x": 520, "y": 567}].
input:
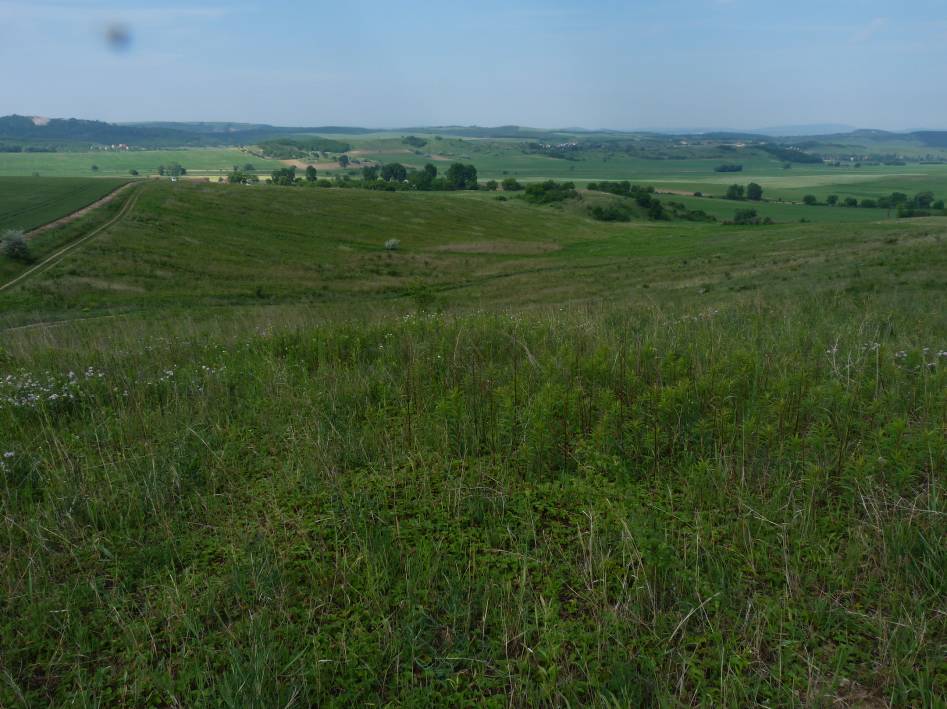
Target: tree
[
  {"x": 510, "y": 184},
  {"x": 343, "y": 161},
  {"x": 394, "y": 171},
  {"x": 174, "y": 169},
  {"x": 310, "y": 173},
  {"x": 95, "y": 168},
  {"x": 850, "y": 202},
  {"x": 370, "y": 173},
  {"x": 754, "y": 192},
  {"x": 923, "y": 200},
  {"x": 735, "y": 192},
  {"x": 461, "y": 177},
  {"x": 810, "y": 199},
  {"x": 284, "y": 176},
  {"x": 133, "y": 173},
  {"x": 491, "y": 185},
  {"x": 15, "y": 246},
  {"x": 831, "y": 200},
  {"x": 869, "y": 203}
]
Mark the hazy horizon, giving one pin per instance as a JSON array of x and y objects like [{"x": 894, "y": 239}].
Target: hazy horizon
[{"x": 676, "y": 65}]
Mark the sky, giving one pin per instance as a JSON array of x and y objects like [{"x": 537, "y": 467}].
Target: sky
[{"x": 632, "y": 64}]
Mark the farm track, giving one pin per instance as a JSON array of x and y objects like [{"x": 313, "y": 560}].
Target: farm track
[
  {"x": 81, "y": 212},
  {"x": 58, "y": 256}
]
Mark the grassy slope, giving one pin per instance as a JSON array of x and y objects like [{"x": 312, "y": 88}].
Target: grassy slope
[
  {"x": 667, "y": 463},
  {"x": 202, "y": 245},
  {"x": 27, "y": 204}
]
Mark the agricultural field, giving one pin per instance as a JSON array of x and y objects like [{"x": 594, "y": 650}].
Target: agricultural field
[
  {"x": 206, "y": 162},
  {"x": 252, "y": 456},
  {"x": 27, "y": 204}
]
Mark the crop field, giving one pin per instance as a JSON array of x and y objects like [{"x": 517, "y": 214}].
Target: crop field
[
  {"x": 197, "y": 161},
  {"x": 27, "y": 204},
  {"x": 253, "y": 457}
]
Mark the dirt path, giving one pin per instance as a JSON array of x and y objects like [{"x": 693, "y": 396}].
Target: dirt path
[
  {"x": 72, "y": 216},
  {"x": 57, "y": 256}
]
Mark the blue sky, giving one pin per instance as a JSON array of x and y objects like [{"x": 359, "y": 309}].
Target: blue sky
[{"x": 551, "y": 63}]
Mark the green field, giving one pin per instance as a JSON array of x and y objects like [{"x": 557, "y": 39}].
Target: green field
[
  {"x": 251, "y": 457},
  {"x": 198, "y": 162},
  {"x": 660, "y": 162},
  {"x": 27, "y": 204}
]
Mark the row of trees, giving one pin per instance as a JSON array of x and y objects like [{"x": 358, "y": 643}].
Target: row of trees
[
  {"x": 752, "y": 192},
  {"x": 391, "y": 176},
  {"x": 920, "y": 202},
  {"x": 174, "y": 169}
]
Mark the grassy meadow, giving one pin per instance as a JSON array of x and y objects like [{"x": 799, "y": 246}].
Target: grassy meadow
[{"x": 251, "y": 457}]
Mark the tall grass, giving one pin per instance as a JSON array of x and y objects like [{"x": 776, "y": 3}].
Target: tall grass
[{"x": 621, "y": 506}]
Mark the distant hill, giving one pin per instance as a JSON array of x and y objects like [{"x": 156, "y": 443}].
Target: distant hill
[{"x": 75, "y": 134}]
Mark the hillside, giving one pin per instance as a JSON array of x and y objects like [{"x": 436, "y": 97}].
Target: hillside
[{"x": 251, "y": 456}]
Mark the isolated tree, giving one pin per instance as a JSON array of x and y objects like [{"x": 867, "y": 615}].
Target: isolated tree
[
  {"x": 344, "y": 161},
  {"x": 95, "y": 168},
  {"x": 310, "y": 173},
  {"x": 831, "y": 200},
  {"x": 370, "y": 173},
  {"x": 394, "y": 171},
  {"x": 15, "y": 247},
  {"x": 754, "y": 192},
  {"x": 810, "y": 199},
  {"x": 133, "y": 173},
  {"x": 736, "y": 192}
]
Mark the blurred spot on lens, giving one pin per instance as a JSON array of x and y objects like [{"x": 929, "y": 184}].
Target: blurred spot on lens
[{"x": 118, "y": 37}]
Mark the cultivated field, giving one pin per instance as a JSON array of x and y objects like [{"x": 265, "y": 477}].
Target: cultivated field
[
  {"x": 26, "y": 204},
  {"x": 110, "y": 163},
  {"x": 251, "y": 457}
]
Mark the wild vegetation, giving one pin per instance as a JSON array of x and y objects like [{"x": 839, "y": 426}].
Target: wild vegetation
[{"x": 265, "y": 445}]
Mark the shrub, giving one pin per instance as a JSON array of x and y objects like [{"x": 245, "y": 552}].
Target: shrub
[
  {"x": 15, "y": 247},
  {"x": 510, "y": 184},
  {"x": 392, "y": 245},
  {"x": 550, "y": 191},
  {"x": 746, "y": 217},
  {"x": 610, "y": 213},
  {"x": 810, "y": 199},
  {"x": 728, "y": 168}
]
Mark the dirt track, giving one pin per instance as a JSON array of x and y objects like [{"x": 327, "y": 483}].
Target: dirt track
[
  {"x": 56, "y": 257},
  {"x": 72, "y": 216}
]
